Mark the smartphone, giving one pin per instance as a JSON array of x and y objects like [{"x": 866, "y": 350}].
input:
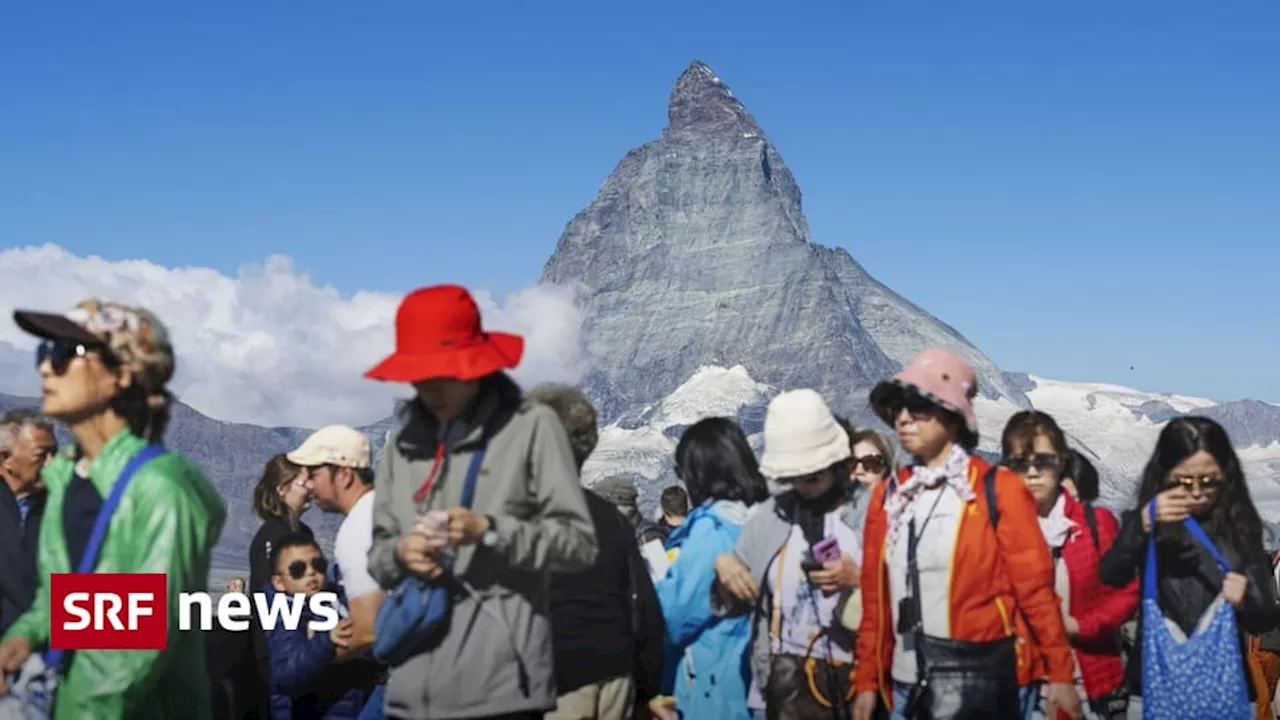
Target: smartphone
[
  {"x": 435, "y": 524},
  {"x": 827, "y": 550}
]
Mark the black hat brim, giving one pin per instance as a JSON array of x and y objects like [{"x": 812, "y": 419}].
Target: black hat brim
[{"x": 51, "y": 326}]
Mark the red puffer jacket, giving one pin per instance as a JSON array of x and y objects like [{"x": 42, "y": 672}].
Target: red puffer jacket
[{"x": 1099, "y": 609}]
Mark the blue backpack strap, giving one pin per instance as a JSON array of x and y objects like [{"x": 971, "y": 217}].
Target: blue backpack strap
[
  {"x": 473, "y": 471},
  {"x": 53, "y": 658}
]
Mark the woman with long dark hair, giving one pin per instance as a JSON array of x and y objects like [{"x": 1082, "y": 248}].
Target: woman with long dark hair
[
  {"x": 1194, "y": 473},
  {"x": 706, "y": 668}
]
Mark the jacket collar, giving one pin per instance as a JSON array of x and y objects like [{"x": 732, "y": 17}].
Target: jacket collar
[{"x": 104, "y": 468}]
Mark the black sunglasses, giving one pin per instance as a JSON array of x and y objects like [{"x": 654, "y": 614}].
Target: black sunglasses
[
  {"x": 872, "y": 463},
  {"x": 298, "y": 568},
  {"x": 916, "y": 405},
  {"x": 60, "y": 353},
  {"x": 1039, "y": 461}
]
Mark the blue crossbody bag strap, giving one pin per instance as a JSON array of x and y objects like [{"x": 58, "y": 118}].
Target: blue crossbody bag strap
[
  {"x": 473, "y": 471},
  {"x": 103, "y": 520},
  {"x": 469, "y": 487},
  {"x": 1149, "y": 574}
]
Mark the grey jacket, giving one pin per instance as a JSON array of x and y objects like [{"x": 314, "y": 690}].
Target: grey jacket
[
  {"x": 496, "y": 657},
  {"x": 762, "y": 538}
]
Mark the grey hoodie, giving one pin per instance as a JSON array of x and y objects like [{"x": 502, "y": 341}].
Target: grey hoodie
[{"x": 496, "y": 657}]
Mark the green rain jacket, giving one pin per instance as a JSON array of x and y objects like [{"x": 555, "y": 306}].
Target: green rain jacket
[{"x": 168, "y": 521}]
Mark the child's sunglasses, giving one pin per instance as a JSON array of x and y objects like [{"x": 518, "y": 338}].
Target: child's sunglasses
[{"x": 298, "y": 568}]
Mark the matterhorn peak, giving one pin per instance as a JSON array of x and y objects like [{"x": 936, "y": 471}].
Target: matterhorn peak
[{"x": 702, "y": 103}]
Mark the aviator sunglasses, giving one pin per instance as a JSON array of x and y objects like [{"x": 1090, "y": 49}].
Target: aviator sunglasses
[
  {"x": 1039, "y": 461},
  {"x": 60, "y": 353},
  {"x": 1206, "y": 482},
  {"x": 298, "y": 568}
]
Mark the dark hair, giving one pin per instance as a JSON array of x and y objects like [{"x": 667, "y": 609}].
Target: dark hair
[
  {"x": 674, "y": 501},
  {"x": 290, "y": 540},
  {"x": 1022, "y": 429},
  {"x": 715, "y": 461},
  {"x": 1233, "y": 517},
  {"x": 146, "y": 411},
  {"x": 266, "y": 494},
  {"x": 1084, "y": 475},
  {"x": 499, "y": 383}
]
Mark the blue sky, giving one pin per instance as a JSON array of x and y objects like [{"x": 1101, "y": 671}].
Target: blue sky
[{"x": 1080, "y": 188}]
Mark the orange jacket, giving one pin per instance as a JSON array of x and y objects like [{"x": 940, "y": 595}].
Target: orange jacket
[{"x": 998, "y": 578}]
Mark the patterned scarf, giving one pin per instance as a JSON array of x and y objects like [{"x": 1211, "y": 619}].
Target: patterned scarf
[
  {"x": 1057, "y": 526},
  {"x": 954, "y": 472}
]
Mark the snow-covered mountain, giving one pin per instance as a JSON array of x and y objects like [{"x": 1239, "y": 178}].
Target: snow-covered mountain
[{"x": 1111, "y": 424}]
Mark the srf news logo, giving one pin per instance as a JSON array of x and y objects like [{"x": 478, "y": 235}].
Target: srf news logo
[
  {"x": 109, "y": 611},
  {"x": 130, "y": 611}
]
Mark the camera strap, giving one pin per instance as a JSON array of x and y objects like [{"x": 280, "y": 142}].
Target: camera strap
[{"x": 916, "y": 636}]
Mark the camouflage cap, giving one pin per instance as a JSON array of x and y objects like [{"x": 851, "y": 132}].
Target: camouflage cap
[{"x": 132, "y": 335}]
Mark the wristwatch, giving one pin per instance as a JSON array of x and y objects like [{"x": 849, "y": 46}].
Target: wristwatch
[{"x": 490, "y": 537}]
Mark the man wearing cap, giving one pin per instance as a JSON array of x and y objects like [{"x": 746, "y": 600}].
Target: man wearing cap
[{"x": 337, "y": 460}]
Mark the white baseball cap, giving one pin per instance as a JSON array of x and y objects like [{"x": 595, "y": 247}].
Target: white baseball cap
[{"x": 338, "y": 445}]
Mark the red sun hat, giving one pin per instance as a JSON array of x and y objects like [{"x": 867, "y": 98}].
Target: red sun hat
[{"x": 438, "y": 335}]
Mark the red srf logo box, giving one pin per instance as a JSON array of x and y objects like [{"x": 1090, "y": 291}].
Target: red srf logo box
[{"x": 108, "y": 611}]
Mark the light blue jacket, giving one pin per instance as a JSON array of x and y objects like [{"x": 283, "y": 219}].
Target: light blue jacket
[{"x": 707, "y": 658}]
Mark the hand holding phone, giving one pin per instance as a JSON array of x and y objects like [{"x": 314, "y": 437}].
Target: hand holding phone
[
  {"x": 827, "y": 550},
  {"x": 434, "y": 526}
]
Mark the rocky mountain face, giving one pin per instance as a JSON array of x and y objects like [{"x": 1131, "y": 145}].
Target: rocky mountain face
[{"x": 696, "y": 251}]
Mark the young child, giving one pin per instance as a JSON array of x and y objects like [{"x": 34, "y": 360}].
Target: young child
[{"x": 304, "y": 683}]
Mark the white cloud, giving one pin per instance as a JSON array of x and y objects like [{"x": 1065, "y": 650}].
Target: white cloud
[{"x": 269, "y": 346}]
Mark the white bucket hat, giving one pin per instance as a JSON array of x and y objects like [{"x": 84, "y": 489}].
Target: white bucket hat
[{"x": 801, "y": 436}]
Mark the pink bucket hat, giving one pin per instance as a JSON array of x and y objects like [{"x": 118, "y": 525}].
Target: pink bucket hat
[{"x": 940, "y": 376}]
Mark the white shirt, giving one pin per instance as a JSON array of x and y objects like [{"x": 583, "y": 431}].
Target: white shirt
[
  {"x": 934, "y": 551},
  {"x": 351, "y": 549},
  {"x": 804, "y": 609}
]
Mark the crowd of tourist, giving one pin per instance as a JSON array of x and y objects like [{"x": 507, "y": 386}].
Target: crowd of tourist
[{"x": 828, "y": 577}]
